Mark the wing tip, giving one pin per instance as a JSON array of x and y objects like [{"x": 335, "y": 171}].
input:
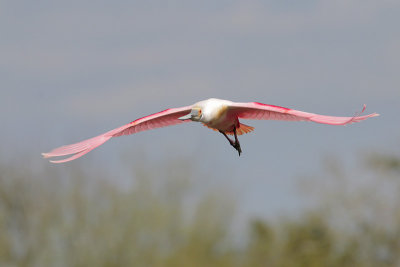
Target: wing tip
[
  {"x": 370, "y": 115},
  {"x": 76, "y": 151},
  {"x": 375, "y": 115},
  {"x": 55, "y": 161},
  {"x": 49, "y": 155},
  {"x": 72, "y": 156},
  {"x": 60, "y": 161},
  {"x": 46, "y": 155}
]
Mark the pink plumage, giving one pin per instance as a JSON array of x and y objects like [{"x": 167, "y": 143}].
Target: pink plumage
[
  {"x": 161, "y": 119},
  {"x": 220, "y": 115},
  {"x": 259, "y": 111}
]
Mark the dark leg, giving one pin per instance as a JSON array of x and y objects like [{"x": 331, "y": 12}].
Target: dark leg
[
  {"x": 235, "y": 143},
  {"x": 230, "y": 141}
]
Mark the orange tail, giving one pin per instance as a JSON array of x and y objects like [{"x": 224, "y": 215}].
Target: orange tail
[{"x": 243, "y": 129}]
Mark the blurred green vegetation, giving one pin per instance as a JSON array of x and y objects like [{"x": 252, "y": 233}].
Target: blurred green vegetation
[{"x": 51, "y": 218}]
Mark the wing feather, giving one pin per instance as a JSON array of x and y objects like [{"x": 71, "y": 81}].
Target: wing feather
[
  {"x": 260, "y": 111},
  {"x": 164, "y": 118}
]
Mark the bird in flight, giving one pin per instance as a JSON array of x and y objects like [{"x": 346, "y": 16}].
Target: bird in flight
[{"x": 217, "y": 114}]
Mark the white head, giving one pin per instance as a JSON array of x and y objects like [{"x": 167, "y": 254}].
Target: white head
[
  {"x": 209, "y": 110},
  {"x": 195, "y": 114}
]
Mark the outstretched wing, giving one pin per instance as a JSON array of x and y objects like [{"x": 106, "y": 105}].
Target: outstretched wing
[
  {"x": 161, "y": 119},
  {"x": 259, "y": 111}
]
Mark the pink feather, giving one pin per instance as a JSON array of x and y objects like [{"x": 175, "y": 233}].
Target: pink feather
[
  {"x": 161, "y": 119},
  {"x": 259, "y": 111}
]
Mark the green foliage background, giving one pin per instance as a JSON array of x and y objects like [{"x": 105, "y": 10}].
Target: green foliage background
[{"x": 50, "y": 218}]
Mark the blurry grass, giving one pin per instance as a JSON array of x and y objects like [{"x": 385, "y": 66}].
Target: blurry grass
[{"x": 51, "y": 218}]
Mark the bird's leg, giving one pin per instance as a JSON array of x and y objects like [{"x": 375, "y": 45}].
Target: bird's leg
[
  {"x": 235, "y": 143},
  {"x": 230, "y": 141}
]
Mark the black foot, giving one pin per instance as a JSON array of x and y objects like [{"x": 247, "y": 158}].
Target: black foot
[
  {"x": 235, "y": 144},
  {"x": 238, "y": 148}
]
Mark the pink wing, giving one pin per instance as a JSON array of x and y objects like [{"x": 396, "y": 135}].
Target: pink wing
[
  {"x": 259, "y": 111},
  {"x": 161, "y": 119}
]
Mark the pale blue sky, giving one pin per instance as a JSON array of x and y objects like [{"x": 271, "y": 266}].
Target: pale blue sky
[{"x": 70, "y": 70}]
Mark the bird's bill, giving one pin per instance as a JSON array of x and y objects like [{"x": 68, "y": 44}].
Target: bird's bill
[{"x": 186, "y": 117}]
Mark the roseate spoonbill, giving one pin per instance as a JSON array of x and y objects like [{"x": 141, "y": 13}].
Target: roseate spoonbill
[{"x": 217, "y": 114}]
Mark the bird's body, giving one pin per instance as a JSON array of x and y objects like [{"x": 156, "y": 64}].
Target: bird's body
[{"x": 217, "y": 114}]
